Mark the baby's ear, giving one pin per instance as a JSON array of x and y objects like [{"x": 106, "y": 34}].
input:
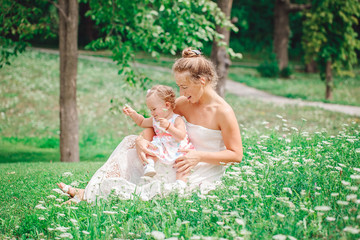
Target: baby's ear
[{"x": 168, "y": 105}]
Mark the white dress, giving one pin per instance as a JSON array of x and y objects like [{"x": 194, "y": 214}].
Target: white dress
[{"x": 123, "y": 172}]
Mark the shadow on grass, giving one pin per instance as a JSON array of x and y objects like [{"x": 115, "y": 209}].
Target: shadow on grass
[{"x": 13, "y": 153}]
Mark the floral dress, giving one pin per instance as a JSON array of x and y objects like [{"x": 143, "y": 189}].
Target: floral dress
[{"x": 167, "y": 148}]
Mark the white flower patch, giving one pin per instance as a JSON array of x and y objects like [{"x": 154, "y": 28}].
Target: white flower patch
[
  {"x": 66, "y": 235},
  {"x": 357, "y": 169},
  {"x": 62, "y": 229},
  {"x": 351, "y": 197},
  {"x": 75, "y": 184},
  {"x": 110, "y": 212},
  {"x": 330, "y": 219},
  {"x": 280, "y": 215},
  {"x": 353, "y": 230},
  {"x": 322, "y": 208},
  {"x": 334, "y": 194},
  {"x": 74, "y": 221},
  {"x": 67, "y": 174},
  {"x": 58, "y": 191},
  {"x": 286, "y": 189},
  {"x": 344, "y": 203},
  {"x": 240, "y": 221},
  {"x": 355, "y": 177},
  {"x": 353, "y": 188},
  {"x": 85, "y": 232},
  {"x": 338, "y": 168},
  {"x": 345, "y": 183},
  {"x": 279, "y": 237},
  {"x": 40, "y": 206}
]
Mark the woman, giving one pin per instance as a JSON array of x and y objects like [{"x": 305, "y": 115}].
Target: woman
[{"x": 212, "y": 128}]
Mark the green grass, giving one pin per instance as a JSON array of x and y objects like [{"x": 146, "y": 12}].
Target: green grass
[
  {"x": 302, "y": 86},
  {"x": 295, "y": 160}
]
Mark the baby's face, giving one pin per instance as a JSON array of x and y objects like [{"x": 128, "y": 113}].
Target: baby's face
[{"x": 157, "y": 107}]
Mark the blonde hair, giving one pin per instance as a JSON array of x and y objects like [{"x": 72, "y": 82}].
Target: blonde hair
[
  {"x": 197, "y": 66},
  {"x": 165, "y": 93}
]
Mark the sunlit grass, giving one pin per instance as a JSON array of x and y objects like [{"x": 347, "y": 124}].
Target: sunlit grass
[
  {"x": 291, "y": 183},
  {"x": 299, "y": 177}
]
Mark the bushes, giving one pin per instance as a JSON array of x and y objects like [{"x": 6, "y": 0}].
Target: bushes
[{"x": 270, "y": 69}]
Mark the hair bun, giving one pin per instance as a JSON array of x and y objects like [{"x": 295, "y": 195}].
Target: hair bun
[{"x": 190, "y": 53}]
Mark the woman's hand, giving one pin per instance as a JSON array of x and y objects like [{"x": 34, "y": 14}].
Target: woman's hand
[
  {"x": 143, "y": 147},
  {"x": 186, "y": 163}
]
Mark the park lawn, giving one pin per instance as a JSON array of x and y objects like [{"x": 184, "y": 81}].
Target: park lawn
[
  {"x": 299, "y": 176},
  {"x": 303, "y": 86}
]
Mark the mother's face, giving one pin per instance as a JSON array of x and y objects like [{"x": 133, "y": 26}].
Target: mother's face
[{"x": 188, "y": 88}]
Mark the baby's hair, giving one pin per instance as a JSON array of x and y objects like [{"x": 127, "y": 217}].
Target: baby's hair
[
  {"x": 165, "y": 93},
  {"x": 197, "y": 66}
]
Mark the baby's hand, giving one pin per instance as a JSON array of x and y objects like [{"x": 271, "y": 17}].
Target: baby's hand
[
  {"x": 164, "y": 123},
  {"x": 127, "y": 110}
]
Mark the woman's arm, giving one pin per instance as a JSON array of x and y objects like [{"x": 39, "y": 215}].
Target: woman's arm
[{"x": 143, "y": 142}]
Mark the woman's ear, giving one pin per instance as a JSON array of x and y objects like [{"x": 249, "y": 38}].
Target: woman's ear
[{"x": 202, "y": 81}]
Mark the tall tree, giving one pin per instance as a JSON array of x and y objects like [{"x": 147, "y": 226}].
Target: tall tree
[
  {"x": 68, "y": 48},
  {"x": 219, "y": 55},
  {"x": 329, "y": 38},
  {"x": 282, "y": 29},
  {"x": 127, "y": 26}
]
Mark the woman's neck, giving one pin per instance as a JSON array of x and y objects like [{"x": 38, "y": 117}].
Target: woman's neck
[{"x": 208, "y": 96}]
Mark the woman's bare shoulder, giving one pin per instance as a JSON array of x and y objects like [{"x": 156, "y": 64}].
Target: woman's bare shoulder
[{"x": 224, "y": 111}]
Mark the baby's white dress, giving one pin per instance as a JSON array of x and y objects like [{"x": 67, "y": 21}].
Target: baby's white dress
[{"x": 123, "y": 172}]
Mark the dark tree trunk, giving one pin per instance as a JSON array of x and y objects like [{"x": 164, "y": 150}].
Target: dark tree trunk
[
  {"x": 219, "y": 55},
  {"x": 311, "y": 67},
  {"x": 329, "y": 81},
  {"x": 281, "y": 32},
  {"x": 68, "y": 33},
  {"x": 282, "y": 29}
]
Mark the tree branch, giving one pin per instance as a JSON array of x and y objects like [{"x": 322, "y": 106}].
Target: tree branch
[
  {"x": 298, "y": 7},
  {"x": 67, "y": 19}
]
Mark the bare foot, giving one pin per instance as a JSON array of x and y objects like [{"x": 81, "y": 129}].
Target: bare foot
[{"x": 73, "y": 192}]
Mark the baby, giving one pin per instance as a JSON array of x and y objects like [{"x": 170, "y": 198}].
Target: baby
[{"x": 170, "y": 130}]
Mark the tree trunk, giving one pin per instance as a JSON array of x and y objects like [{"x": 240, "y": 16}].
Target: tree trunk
[
  {"x": 68, "y": 32},
  {"x": 282, "y": 29},
  {"x": 329, "y": 81},
  {"x": 311, "y": 67},
  {"x": 219, "y": 55},
  {"x": 281, "y": 32}
]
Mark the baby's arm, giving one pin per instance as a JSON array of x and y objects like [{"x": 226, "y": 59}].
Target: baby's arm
[
  {"x": 177, "y": 130},
  {"x": 137, "y": 118}
]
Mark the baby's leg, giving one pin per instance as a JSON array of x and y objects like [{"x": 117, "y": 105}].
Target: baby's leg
[
  {"x": 149, "y": 168},
  {"x": 154, "y": 159}
]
